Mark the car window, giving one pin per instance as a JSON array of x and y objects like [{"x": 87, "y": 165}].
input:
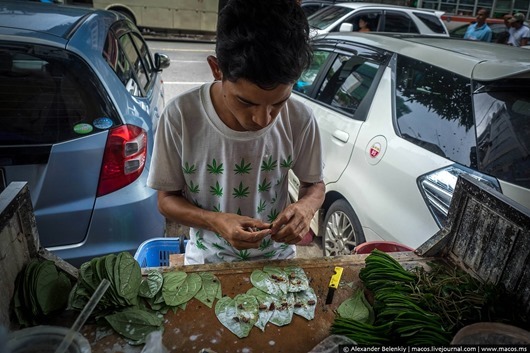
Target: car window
[
  {"x": 434, "y": 110},
  {"x": 399, "y": 22},
  {"x": 503, "y": 130},
  {"x": 325, "y": 17},
  {"x": 347, "y": 82},
  {"x": 307, "y": 79},
  {"x": 371, "y": 17},
  {"x": 431, "y": 21},
  {"x": 48, "y": 96},
  {"x": 138, "y": 65}
]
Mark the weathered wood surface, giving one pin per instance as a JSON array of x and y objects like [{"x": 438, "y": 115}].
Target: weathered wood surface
[
  {"x": 197, "y": 327},
  {"x": 488, "y": 235}
]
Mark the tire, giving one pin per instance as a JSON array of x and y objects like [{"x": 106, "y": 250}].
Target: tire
[{"x": 342, "y": 229}]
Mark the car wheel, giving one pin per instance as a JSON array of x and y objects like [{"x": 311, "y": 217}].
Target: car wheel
[{"x": 342, "y": 229}]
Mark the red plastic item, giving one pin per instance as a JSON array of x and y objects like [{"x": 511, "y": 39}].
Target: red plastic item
[{"x": 386, "y": 246}]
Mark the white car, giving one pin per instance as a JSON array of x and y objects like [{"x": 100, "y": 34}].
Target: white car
[
  {"x": 401, "y": 117},
  {"x": 344, "y": 17}
]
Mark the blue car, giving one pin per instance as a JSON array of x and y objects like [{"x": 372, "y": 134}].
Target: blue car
[{"x": 80, "y": 97}]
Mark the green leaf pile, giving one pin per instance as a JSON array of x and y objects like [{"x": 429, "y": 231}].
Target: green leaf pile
[
  {"x": 133, "y": 305},
  {"x": 277, "y": 294},
  {"x": 41, "y": 290}
]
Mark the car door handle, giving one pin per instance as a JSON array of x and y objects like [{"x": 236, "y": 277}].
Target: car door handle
[{"x": 341, "y": 135}]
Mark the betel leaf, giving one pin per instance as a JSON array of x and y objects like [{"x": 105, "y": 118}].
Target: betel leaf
[
  {"x": 305, "y": 303},
  {"x": 189, "y": 288},
  {"x": 210, "y": 289},
  {"x": 265, "y": 306},
  {"x": 239, "y": 314},
  {"x": 279, "y": 276},
  {"x": 283, "y": 310},
  {"x": 297, "y": 279},
  {"x": 172, "y": 282},
  {"x": 127, "y": 276},
  {"x": 52, "y": 288},
  {"x": 151, "y": 285},
  {"x": 262, "y": 280},
  {"x": 134, "y": 324},
  {"x": 356, "y": 308}
]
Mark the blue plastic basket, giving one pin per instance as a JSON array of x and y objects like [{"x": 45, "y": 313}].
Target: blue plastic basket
[{"x": 155, "y": 252}]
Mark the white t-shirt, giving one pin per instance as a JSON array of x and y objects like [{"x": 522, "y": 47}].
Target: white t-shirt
[
  {"x": 517, "y": 34},
  {"x": 223, "y": 170}
]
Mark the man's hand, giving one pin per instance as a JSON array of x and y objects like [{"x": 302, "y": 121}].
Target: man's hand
[
  {"x": 293, "y": 223},
  {"x": 240, "y": 231}
]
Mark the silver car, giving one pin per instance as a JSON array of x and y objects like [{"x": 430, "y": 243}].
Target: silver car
[
  {"x": 80, "y": 96},
  {"x": 401, "y": 117},
  {"x": 345, "y": 17}
]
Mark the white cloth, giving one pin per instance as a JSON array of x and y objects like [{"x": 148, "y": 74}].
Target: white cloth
[
  {"x": 223, "y": 170},
  {"x": 517, "y": 34}
]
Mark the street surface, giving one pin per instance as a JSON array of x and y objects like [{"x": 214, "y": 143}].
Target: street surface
[{"x": 189, "y": 69}]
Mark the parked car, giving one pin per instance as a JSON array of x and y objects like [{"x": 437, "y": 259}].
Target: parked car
[
  {"x": 80, "y": 95},
  {"x": 401, "y": 116},
  {"x": 344, "y": 17}
]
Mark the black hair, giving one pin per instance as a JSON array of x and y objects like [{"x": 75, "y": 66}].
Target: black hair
[{"x": 263, "y": 41}]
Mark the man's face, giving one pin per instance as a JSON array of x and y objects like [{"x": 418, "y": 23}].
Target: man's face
[
  {"x": 481, "y": 16},
  {"x": 253, "y": 108}
]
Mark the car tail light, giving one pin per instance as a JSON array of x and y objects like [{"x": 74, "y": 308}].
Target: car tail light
[
  {"x": 123, "y": 159},
  {"x": 438, "y": 187}
]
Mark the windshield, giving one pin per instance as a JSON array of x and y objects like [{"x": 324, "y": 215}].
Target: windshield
[
  {"x": 327, "y": 16},
  {"x": 502, "y": 113}
]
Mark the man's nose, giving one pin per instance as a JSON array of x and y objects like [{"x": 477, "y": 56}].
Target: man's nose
[{"x": 262, "y": 116}]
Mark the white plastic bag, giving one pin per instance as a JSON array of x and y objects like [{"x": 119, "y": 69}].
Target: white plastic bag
[{"x": 153, "y": 343}]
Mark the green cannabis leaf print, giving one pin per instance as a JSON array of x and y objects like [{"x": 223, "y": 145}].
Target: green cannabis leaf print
[
  {"x": 216, "y": 190},
  {"x": 217, "y": 208},
  {"x": 270, "y": 254},
  {"x": 264, "y": 186},
  {"x": 262, "y": 205},
  {"x": 272, "y": 216},
  {"x": 287, "y": 163},
  {"x": 243, "y": 168},
  {"x": 265, "y": 244},
  {"x": 200, "y": 244},
  {"x": 214, "y": 168},
  {"x": 189, "y": 169},
  {"x": 243, "y": 255},
  {"x": 268, "y": 165},
  {"x": 240, "y": 191},
  {"x": 193, "y": 188}
]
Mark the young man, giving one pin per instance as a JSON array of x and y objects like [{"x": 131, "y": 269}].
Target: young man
[
  {"x": 519, "y": 33},
  {"x": 223, "y": 151},
  {"x": 479, "y": 30}
]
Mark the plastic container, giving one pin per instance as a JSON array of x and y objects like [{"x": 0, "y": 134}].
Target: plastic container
[
  {"x": 386, "y": 246},
  {"x": 155, "y": 252},
  {"x": 45, "y": 339}
]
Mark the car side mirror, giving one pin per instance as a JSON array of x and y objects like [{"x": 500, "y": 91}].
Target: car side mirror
[
  {"x": 346, "y": 27},
  {"x": 161, "y": 61}
]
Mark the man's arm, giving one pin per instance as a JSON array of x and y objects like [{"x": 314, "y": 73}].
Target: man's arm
[
  {"x": 238, "y": 230},
  {"x": 293, "y": 223}
]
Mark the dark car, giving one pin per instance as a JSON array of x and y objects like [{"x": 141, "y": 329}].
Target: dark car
[{"x": 80, "y": 96}]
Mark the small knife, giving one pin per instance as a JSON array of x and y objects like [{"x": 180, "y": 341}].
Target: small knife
[{"x": 334, "y": 284}]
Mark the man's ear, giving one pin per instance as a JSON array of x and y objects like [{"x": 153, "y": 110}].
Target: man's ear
[{"x": 214, "y": 67}]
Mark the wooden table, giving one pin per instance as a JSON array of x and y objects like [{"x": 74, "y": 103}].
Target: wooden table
[{"x": 197, "y": 327}]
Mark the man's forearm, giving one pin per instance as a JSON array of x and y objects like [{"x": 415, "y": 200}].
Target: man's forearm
[
  {"x": 312, "y": 194},
  {"x": 177, "y": 208}
]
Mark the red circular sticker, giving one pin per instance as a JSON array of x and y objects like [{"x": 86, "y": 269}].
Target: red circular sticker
[{"x": 375, "y": 149}]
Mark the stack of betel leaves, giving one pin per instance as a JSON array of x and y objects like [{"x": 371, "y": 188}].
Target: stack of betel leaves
[
  {"x": 133, "y": 305},
  {"x": 41, "y": 290},
  {"x": 418, "y": 307},
  {"x": 276, "y": 295}
]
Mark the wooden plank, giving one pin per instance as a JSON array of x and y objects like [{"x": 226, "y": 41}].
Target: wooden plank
[{"x": 197, "y": 327}]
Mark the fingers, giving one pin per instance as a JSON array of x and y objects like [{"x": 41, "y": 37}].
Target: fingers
[{"x": 291, "y": 234}]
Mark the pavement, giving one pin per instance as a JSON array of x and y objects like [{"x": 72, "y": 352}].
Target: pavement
[{"x": 309, "y": 248}]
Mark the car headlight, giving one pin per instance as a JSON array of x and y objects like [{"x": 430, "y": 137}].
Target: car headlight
[{"x": 437, "y": 188}]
